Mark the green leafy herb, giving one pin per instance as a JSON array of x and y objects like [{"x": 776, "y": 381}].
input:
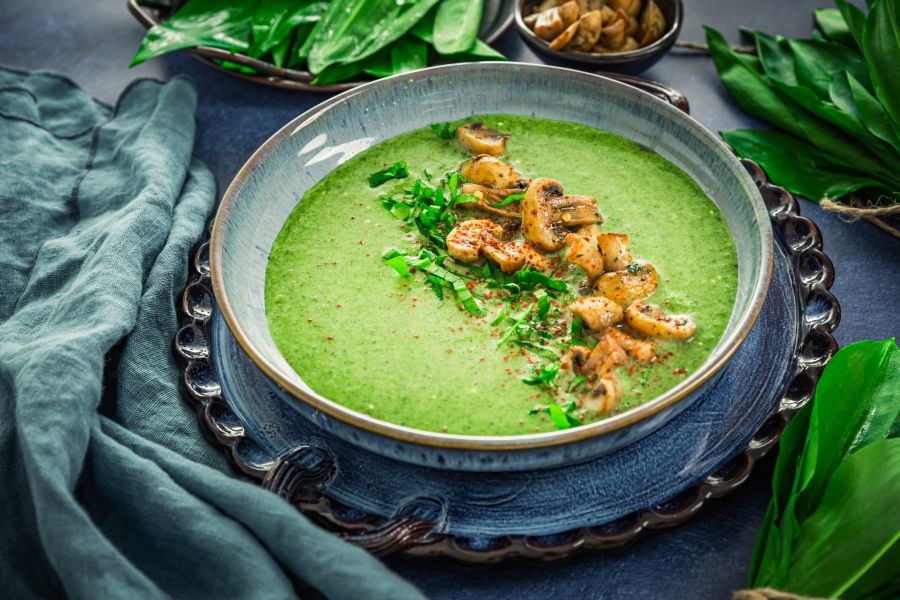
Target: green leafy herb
[
  {"x": 395, "y": 171},
  {"x": 443, "y": 130},
  {"x": 543, "y": 374},
  {"x": 575, "y": 383},
  {"x": 333, "y": 40},
  {"x": 833, "y": 98},
  {"x": 509, "y": 200},
  {"x": 529, "y": 278},
  {"x": 543, "y": 303},
  {"x": 456, "y": 25},
  {"x": 833, "y": 445},
  {"x": 562, "y": 416},
  {"x": 437, "y": 275}
]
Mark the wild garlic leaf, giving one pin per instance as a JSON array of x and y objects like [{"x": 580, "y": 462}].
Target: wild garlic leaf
[
  {"x": 881, "y": 45},
  {"x": 456, "y": 25},
  {"x": 397, "y": 170}
]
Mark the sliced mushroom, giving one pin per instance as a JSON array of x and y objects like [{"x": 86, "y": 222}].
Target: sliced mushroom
[
  {"x": 631, "y": 23},
  {"x": 629, "y": 45},
  {"x": 636, "y": 282},
  {"x": 608, "y": 14},
  {"x": 576, "y": 359},
  {"x": 653, "y": 24},
  {"x": 604, "y": 396},
  {"x": 597, "y": 312},
  {"x": 614, "y": 249},
  {"x": 582, "y": 251},
  {"x": 613, "y": 35},
  {"x": 606, "y": 356},
  {"x": 546, "y": 212},
  {"x": 651, "y": 321},
  {"x": 560, "y": 41},
  {"x": 465, "y": 241},
  {"x": 490, "y": 171},
  {"x": 478, "y": 139},
  {"x": 535, "y": 259},
  {"x": 589, "y": 26},
  {"x": 540, "y": 222},
  {"x": 508, "y": 256},
  {"x": 575, "y": 210},
  {"x": 488, "y": 197},
  {"x": 643, "y": 350},
  {"x": 629, "y": 7},
  {"x": 549, "y": 23}
]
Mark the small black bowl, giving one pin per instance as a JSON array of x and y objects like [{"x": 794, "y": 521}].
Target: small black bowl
[{"x": 633, "y": 61}]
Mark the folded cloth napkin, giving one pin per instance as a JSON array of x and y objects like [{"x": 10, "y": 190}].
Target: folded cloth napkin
[{"x": 107, "y": 489}]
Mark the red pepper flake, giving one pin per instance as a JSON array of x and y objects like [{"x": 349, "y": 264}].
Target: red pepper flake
[
  {"x": 449, "y": 350},
  {"x": 352, "y": 218},
  {"x": 482, "y": 359},
  {"x": 337, "y": 306},
  {"x": 412, "y": 270},
  {"x": 418, "y": 337},
  {"x": 679, "y": 372},
  {"x": 360, "y": 242},
  {"x": 309, "y": 320},
  {"x": 334, "y": 262},
  {"x": 367, "y": 254},
  {"x": 330, "y": 337},
  {"x": 444, "y": 429},
  {"x": 415, "y": 298}
]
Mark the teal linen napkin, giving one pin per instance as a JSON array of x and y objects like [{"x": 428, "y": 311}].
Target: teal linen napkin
[{"x": 107, "y": 489}]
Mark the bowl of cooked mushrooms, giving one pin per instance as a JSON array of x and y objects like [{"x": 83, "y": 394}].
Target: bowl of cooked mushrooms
[{"x": 617, "y": 35}]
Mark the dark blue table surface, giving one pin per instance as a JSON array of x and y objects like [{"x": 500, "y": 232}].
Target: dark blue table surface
[{"x": 92, "y": 41}]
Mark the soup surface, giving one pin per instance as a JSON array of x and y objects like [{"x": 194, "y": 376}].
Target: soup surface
[{"x": 386, "y": 345}]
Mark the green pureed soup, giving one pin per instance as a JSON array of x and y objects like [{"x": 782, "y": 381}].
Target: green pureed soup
[{"x": 386, "y": 345}]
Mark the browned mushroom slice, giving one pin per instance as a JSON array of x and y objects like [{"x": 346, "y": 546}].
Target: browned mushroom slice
[
  {"x": 465, "y": 241},
  {"x": 560, "y": 41},
  {"x": 535, "y": 259},
  {"x": 508, "y": 256},
  {"x": 540, "y": 221},
  {"x": 478, "y": 139},
  {"x": 638, "y": 281},
  {"x": 613, "y": 35},
  {"x": 589, "y": 26},
  {"x": 490, "y": 171},
  {"x": 631, "y": 23},
  {"x": 629, "y": 45},
  {"x": 586, "y": 6},
  {"x": 582, "y": 251},
  {"x": 488, "y": 197},
  {"x": 606, "y": 356},
  {"x": 653, "y": 24},
  {"x": 629, "y": 7},
  {"x": 604, "y": 395},
  {"x": 614, "y": 249},
  {"x": 608, "y": 14},
  {"x": 549, "y": 23},
  {"x": 643, "y": 350},
  {"x": 596, "y": 312},
  {"x": 575, "y": 210},
  {"x": 576, "y": 359},
  {"x": 651, "y": 321}
]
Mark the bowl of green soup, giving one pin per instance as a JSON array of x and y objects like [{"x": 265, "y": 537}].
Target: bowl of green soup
[{"x": 491, "y": 266}]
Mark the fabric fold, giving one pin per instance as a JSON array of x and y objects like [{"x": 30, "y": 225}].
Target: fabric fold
[{"x": 100, "y": 207}]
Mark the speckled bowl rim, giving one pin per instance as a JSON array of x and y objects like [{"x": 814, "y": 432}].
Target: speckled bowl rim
[{"x": 724, "y": 350}]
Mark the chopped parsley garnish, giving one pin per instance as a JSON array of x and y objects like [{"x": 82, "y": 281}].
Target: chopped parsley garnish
[
  {"x": 544, "y": 374},
  {"x": 543, "y": 303},
  {"x": 508, "y": 200},
  {"x": 575, "y": 383},
  {"x": 429, "y": 263},
  {"x": 397, "y": 170},
  {"x": 529, "y": 278},
  {"x": 561, "y": 416},
  {"x": 576, "y": 333},
  {"x": 635, "y": 268},
  {"x": 443, "y": 130}
]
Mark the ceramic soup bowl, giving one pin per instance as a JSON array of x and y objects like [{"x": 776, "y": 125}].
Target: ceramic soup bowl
[{"x": 274, "y": 180}]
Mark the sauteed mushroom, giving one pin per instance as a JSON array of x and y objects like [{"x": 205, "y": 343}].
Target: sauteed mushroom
[
  {"x": 589, "y": 27},
  {"x": 629, "y": 7},
  {"x": 653, "y": 24},
  {"x": 614, "y": 249},
  {"x": 582, "y": 251},
  {"x": 489, "y": 170},
  {"x": 604, "y": 395},
  {"x": 546, "y": 212},
  {"x": 512, "y": 256},
  {"x": 650, "y": 320},
  {"x": 478, "y": 139},
  {"x": 613, "y": 36},
  {"x": 563, "y": 39},
  {"x": 465, "y": 241},
  {"x": 487, "y": 197},
  {"x": 643, "y": 350},
  {"x": 551, "y": 22},
  {"x": 597, "y": 312},
  {"x": 636, "y": 282}
]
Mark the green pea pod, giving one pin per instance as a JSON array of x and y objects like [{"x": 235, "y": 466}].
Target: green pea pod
[{"x": 456, "y": 25}]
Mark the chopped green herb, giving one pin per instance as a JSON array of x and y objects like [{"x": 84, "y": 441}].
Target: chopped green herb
[
  {"x": 397, "y": 170},
  {"x": 509, "y": 200},
  {"x": 543, "y": 303},
  {"x": 545, "y": 374},
  {"x": 443, "y": 130},
  {"x": 427, "y": 261},
  {"x": 561, "y": 416},
  {"x": 575, "y": 383},
  {"x": 635, "y": 268},
  {"x": 517, "y": 320},
  {"x": 529, "y": 278}
]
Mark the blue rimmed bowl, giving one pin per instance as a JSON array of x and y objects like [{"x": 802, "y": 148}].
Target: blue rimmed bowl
[{"x": 273, "y": 181}]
